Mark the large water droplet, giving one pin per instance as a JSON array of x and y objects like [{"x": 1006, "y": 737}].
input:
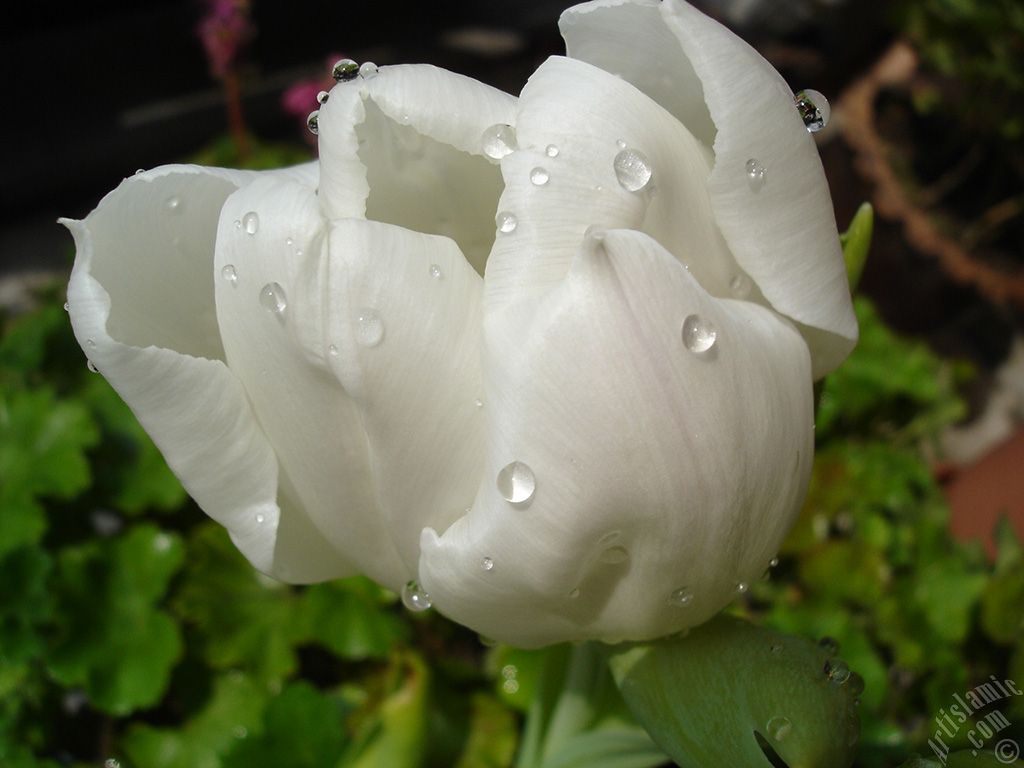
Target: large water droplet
[
  {"x": 488, "y": 564},
  {"x": 414, "y": 598},
  {"x": 632, "y": 169},
  {"x": 369, "y": 328},
  {"x": 681, "y": 597},
  {"x": 251, "y": 223},
  {"x": 539, "y": 176},
  {"x": 757, "y": 174},
  {"x": 516, "y": 482},
  {"x": 778, "y": 728},
  {"x": 229, "y": 273},
  {"x": 345, "y": 70},
  {"x": 273, "y": 297},
  {"x": 699, "y": 335},
  {"x": 813, "y": 108},
  {"x": 837, "y": 670},
  {"x": 506, "y": 222},
  {"x": 367, "y": 70},
  {"x": 614, "y": 555},
  {"x": 499, "y": 140},
  {"x": 322, "y": 97},
  {"x": 313, "y": 122}
]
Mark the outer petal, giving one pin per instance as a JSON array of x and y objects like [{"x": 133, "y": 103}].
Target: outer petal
[
  {"x": 141, "y": 300},
  {"x": 657, "y": 469},
  {"x": 402, "y": 326},
  {"x": 272, "y": 241},
  {"x": 782, "y": 229}
]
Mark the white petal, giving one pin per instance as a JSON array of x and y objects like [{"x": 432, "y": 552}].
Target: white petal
[
  {"x": 693, "y": 463},
  {"x": 403, "y": 318},
  {"x": 273, "y": 236},
  {"x": 591, "y": 117},
  {"x": 782, "y": 229},
  {"x": 141, "y": 300}
]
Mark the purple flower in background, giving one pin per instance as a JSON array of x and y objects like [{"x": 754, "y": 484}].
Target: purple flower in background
[{"x": 225, "y": 28}]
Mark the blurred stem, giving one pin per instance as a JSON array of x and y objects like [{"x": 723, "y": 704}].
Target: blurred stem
[{"x": 236, "y": 117}]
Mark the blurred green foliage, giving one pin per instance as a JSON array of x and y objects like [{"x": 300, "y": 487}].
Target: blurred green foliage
[{"x": 132, "y": 630}]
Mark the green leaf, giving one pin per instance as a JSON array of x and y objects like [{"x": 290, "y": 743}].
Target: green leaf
[
  {"x": 351, "y": 618},
  {"x": 26, "y": 610},
  {"x": 492, "y": 736},
  {"x": 42, "y": 455},
  {"x": 856, "y": 242},
  {"x": 614, "y": 749},
  {"x": 114, "y": 640},
  {"x": 395, "y": 735},
  {"x": 232, "y": 714},
  {"x": 302, "y": 728},
  {"x": 705, "y": 698}
]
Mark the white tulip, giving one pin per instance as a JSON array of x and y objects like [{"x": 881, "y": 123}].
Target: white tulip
[{"x": 549, "y": 358}]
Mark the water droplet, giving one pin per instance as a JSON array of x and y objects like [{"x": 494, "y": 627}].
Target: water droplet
[
  {"x": 369, "y": 328},
  {"x": 837, "y": 671},
  {"x": 856, "y": 684},
  {"x": 478, "y": 403},
  {"x": 829, "y": 645},
  {"x": 174, "y": 204},
  {"x": 322, "y": 97},
  {"x": 67, "y": 307},
  {"x": 608, "y": 538},
  {"x": 313, "y": 122},
  {"x": 260, "y": 518},
  {"x": 574, "y": 593},
  {"x": 757, "y": 174},
  {"x": 778, "y": 728},
  {"x": 289, "y": 241},
  {"x": 499, "y": 141},
  {"x": 506, "y": 222},
  {"x": 741, "y": 587},
  {"x": 489, "y": 642},
  {"x": 510, "y": 686},
  {"x": 91, "y": 366},
  {"x": 773, "y": 562},
  {"x": 615, "y": 555},
  {"x": 509, "y": 671},
  {"x": 111, "y": 763},
  {"x": 238, "y": 224},
  {"x": 681, "y": 597},
  {"x": 740, "y": 285},
  {"x": 488, "y": 564},
  {"x": 414, "y": 598},
  {"x": 273, "y": 297},
  {"x": 516, "y": 482},
  {"x": 539, "y": 176},
  {"x": 368, "y": 69},
  {"x": 251, "y": 223},
  {"x": 632, "y": 169},
  {"x": 345, "y": 70},
  {"x": 229, "y": 273},
  {"x": 551, "y": 151},
  {"x": 332, "y": 351},
  {"x": 699, "y": 335},
  {"x": 435, "y": 271},
  {"x": 240, "y": 731},
  {"x": 813, "y": 108},
  {"x": 620, "y": 143}
]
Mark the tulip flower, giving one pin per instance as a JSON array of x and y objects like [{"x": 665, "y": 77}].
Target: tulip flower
[{"x": 544, "y": 363}]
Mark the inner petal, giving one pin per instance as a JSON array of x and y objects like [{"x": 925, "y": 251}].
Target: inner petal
[{"x": 428, "y": 186}]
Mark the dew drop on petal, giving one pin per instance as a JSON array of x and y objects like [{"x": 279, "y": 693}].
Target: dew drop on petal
[
  {"x": 615, "y": 555},
  {"x": 67, "y": 307},
  {"x": 273, "y": 298},
  {"x": 435, "y": 271},
  {"x": 632, "y": 169},
  {"x": 681, "y": 597},
  {"x": 313, "y": 122},
  {"x": 345, "y": 70},
  {"x": 740, "y": 285},
  {"x": 173, "y": 204},
  {"x": 551, "y": 151},
  {"x": 773, "y": 562},
  {"x": 499, "y": 141},
  {"x": 813, "y": 108},
  {"x": 574, "y": 593},
  {"x": 478, "y": 403},
  {"x": 369, "y": 328},
  {"x": 229, "y": 273},
  {"x": 506, "y": 222},
  {"x": 837, "y": 670},
  {"x": 757, "y": 174},
  {"x": 414, "y": 598},
  {"x": 260, "y": 518},
  {"x": 322, "y": 97},
  {"x": 488, "y": 564},
  {"x": 516, "y": 482},
  {"x": 741, "y": 587},
  {"x": 251, "y": 223},
  {"x": 609, "y": 538},
  {"x": 539, "y": 176},
  {"x": 699, "y": 335},
  {"x": 367, "y": 70},
  {"x": 91, "y": 366},
  {"x": 620, "y": 143},
  {"x": 90, "y": 342},
  {"x": 778, "y": 728},
  {"x": 332, "y": 351}
]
